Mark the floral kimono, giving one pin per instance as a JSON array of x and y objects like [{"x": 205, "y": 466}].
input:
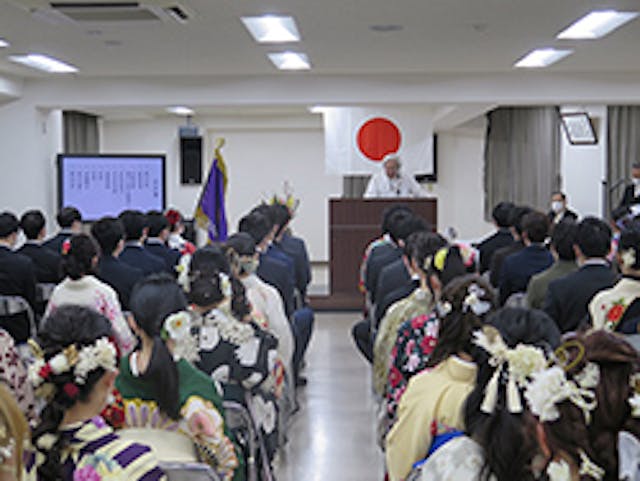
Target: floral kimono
[
  {"x": 244, "y": 360},
  {"x": 417, "y": 338},
  {"x": 201, "y": 415},
  {"x": 611, "y": 309},
  {"x": 94, "y": 452}
]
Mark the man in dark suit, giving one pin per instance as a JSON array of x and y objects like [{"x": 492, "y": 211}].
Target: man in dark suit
[
  {"x": 134, "y": 253},
  {"x": 277, "y": 273},
  {"x": 517, "y": 214},
  {"x": 109, "y": 234},
  {"x": 386, "y": 253},
  {"x": 559, "y": 210},
  {"x": 156, "y": 242},
  {"x": 502, "y": 237},
  {"x": 294, "y": 247},
  {"x": 631, "y": 194},
  {"x": 70, "y": 222},
  {"x": 568, "y": 298},
  {"x": 395, "y": 277},
  {"x": 47, "y": 263},
  {"x": 17, "y": 278},
  {"x": 518, "y": 268}
]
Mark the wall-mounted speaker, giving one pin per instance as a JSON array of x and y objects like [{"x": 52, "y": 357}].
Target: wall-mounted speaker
[{"x": 191, "y": 160}]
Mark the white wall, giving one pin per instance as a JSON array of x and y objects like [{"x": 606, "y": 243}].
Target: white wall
[
  {"x": 583, "y": 167},
  {"x": 261, "y": 154},
  {"x": 29, "y": 140},
  {"x": 460, "y": 189}
]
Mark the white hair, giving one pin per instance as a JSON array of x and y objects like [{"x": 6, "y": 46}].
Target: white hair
[{"x": 389, "y": 157}]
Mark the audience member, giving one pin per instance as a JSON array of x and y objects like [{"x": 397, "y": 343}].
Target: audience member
[
  {"x": 74, "y": 373},
  {"x": 70, "y": 221},
  {"x": 497, "y": 441},
  {"x": 109, "y": 234},
  {"x": 517, "y": 214},
  {"x": 294, "y": 247},
  {"x": 568, "y": 298},
  {"x": 14, "y": 432},
  {"x": 559, "y": 210},
  {"x": 563, "y": 238},
  {"x": 271, "y": 270},
  {"x": 385, "y": 238},
  {"x": 518, "y": 268},
  {"x": 502, "y": 237},
  {"x": 233, "y": 350},
  {"x": 432, "y": 404},
  {"x": 17, "y": 278},
  {"x": 13, "y": 374},
  {"x": 176, "y": 227},
  {"x": 385, "y": 253},
  {"x": 156, "y": 242},
  {"x": 420, "y": 249},
  {"x": 80, "y": 287},
  {"x": 46, "y": 262},
  {"x": 587, "y": 408},
  {"x": 618, "y": 308},
  {"x": 275, "y": 272},
  {"x": 416, "y": 338},
  {"x": 134, "y": 252},
  {"x": 394, "y": 280},
  {"x": 264, "y": 299},
  {"x": 631, "y": 194},
  {"x": 161, "y": 389}
]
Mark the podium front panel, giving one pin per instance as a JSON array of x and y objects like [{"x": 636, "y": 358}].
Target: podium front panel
[{"x": 353, "y": 224}]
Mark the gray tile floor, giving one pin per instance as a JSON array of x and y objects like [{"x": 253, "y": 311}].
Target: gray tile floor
[{"x": 332, "y": 437}]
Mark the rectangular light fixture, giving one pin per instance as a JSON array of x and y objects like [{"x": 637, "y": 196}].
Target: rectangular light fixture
[
  {"x": 181, "y": 110},
  {"x": 272, "y": 28},
  {"x": 542, "y": 57},
  {"x": 43, "y": 62},
  {"x": 3, "y": 43},
  {"x": 596, "y": 24},
  {"x": 290, "y": 60}
]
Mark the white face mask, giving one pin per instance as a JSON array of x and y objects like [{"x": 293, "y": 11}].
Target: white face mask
[{"x": 557, "y": 206}]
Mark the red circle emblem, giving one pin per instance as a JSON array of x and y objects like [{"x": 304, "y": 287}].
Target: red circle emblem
[{"x": 378, "y": 137}]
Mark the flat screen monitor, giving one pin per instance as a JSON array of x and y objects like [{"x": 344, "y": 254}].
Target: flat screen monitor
[{"x": 100, "y": 184}]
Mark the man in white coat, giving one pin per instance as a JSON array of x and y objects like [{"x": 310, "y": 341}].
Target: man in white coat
[{"x": 390, "y": 182}]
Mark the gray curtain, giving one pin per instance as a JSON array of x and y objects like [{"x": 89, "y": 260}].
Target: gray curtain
[
  {"x": 353, "y": 186},
  {"x": 80, "y": 133},
  {"x": 623, "y": 148},
  {"x": 522, "y": 156}
]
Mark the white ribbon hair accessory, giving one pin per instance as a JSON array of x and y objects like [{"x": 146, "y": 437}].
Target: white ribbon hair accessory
[
  {"x": 628, "y": 257},
  {"x": 521, "y": 362},
  {"x": 225, "y": 284},
  {"x": 473, "y": 302},
  {"x": 183, "y": 272},
  {"x": 551, "y": 386}
]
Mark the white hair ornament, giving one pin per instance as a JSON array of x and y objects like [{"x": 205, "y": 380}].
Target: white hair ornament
[
  {"x": 521, "y": 362},
  {"x": 474, "y": 302}
]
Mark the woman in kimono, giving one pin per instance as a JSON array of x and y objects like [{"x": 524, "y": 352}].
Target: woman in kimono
[
  {"x": 75, "y": 367},
  {"x": 232, "y": 348},
  {"x": 161, "y": 389}
]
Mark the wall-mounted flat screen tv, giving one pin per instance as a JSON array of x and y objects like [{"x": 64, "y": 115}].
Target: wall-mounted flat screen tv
[{"x": 102, "y": 184}]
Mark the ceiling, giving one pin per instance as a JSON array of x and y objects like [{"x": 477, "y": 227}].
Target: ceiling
[{"x": 437, "y": 36}]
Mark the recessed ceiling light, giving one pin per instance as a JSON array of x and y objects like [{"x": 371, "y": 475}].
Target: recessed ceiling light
[
  {"x": 181, "y": 110},
  {"x": 43, "y": 62},
  {"x": 4, "y": 43},
  {"x": 290, "y": 60},
  {"x": 317, "y": 109},
  {"x": 272, "y": 28},
  {"x": 596, "y": 24},
  {"x": 542, "y": 57}
]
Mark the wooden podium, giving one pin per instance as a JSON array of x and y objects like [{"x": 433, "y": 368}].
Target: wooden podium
[{"x": 353, "y": 223}]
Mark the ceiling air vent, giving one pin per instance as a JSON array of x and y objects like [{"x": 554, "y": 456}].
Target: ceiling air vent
[
  {"x": 104, "y": 12},
  {"x": 178, "y": 13}
]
